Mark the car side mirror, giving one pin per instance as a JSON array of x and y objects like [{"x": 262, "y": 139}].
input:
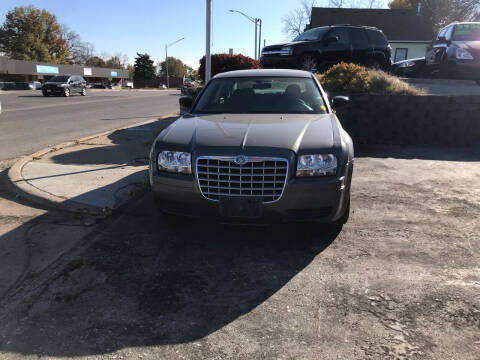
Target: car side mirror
[
  {"x": 186, "y": 102},
  {"x": 340, "y": 101},
  {"x": 331, "y": 40},
  {"x": 442, "y": 40}
]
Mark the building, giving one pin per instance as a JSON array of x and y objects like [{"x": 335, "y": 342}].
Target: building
[
  {"x": 21, "y": 71},
  {"x": 408, "y": 32}
]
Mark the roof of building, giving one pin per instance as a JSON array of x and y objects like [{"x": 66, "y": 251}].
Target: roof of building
[
  {"x": 397, "y": 25},
  {"x": 265, "y": 72}
]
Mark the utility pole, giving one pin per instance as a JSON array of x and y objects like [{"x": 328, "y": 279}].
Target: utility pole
[
  {"x": 260, "y": 38},
  {"x": 208, "y": 70},
  {"x": 166, "y": 58},
  {"x": 256, "y": 21}
]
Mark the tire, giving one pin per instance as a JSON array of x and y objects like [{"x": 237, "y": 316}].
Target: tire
[
  {"x": 84, "y": 92},
  {"x": 45, "y": 94},
  {"x": 309, "y": 63},
  {"x": 67, "y": 92}
]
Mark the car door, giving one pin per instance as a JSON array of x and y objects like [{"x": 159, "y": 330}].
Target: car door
[
  {"x": 338, "y": 51},
  {"x": 437, "y": 50},
  {"x": 361, "y": 49}
]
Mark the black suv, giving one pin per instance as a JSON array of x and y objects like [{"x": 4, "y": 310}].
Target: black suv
[
  {"x": 320, "y": 48},
  {"x": 455, "y": 52},
  {"x": 65, "y": 85}
]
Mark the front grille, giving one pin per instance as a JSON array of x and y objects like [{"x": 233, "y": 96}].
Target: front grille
[{"x": 259, "y": 177}]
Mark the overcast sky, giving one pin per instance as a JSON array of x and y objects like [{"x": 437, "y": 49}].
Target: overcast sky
[{"x": 146, "y": 25}]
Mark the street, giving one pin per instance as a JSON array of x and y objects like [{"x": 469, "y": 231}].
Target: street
[
  {"x": 400, "y": 281},
  {"x": 30, "y": 122}
]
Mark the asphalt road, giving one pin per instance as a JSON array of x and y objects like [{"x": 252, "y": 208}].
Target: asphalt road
[
  {"x": 401, "y": 281},
  {"x": 30, "y": 122}
]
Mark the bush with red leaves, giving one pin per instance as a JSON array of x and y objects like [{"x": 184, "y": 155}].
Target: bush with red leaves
[{"x": 226, "y": 62}]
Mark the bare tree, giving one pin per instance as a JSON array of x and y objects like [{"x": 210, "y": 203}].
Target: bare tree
[
  {"x": 297, "y": 20},
  {"x": 78, "y": 51}
]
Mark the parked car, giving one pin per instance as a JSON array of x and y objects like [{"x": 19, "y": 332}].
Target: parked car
[
  {"x": 409, "y": 68},
  {"x": 257, "y": 145},
  {"x": 100, "y": 86},
  {"x": 35, "y": 85},
  {"x": 65, "y": 85},
  {"x": 455, "y": 52},
  {"x": 320, "y": 48},
  {"x": 128, "y": 84}
]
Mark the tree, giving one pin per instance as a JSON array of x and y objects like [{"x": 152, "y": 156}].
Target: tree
[
  {"x": 175, "y": 67},
  {"x": 442, "y": 12},
  {"x": 225, "y": 62},
  {"x": 400, "y": 4},
  {"x": 143, "y": 70},
  {"x": 113, "y": 62},
  {"x": 95, "y": 61},
  {"x": 32, "y": 34},
  {"x": 297, "y": 20},
  {"x": 131, "y": 71},
  {"x": 78, "y": 51}
]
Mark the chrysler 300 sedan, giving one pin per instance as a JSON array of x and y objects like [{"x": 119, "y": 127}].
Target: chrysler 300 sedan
[{"x": 256, "y": 145}]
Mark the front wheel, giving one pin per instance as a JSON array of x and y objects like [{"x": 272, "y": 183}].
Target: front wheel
[
  {"x": 308, "y": 63},
  {"x": 45, "y": 94},
  {"x": 84, "y": 92},
  {"x": 67, "y": 92}
]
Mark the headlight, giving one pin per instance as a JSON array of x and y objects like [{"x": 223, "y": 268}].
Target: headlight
[
  {"x": 463, "y": 54},
  {"x": 175, "y": 162},
  {"x": 407, "y": 64},
  {"x": 317, "y": 165},
  {"x": 286, "y": 50}
]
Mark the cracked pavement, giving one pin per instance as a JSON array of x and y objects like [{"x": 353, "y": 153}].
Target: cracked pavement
[{"x": 401, "y": 281}]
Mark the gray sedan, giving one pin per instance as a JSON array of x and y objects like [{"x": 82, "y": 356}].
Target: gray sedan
[{"x": 256, "y": 145}]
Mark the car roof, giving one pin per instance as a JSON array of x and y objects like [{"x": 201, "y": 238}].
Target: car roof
[{"x": 265, "y": 72}]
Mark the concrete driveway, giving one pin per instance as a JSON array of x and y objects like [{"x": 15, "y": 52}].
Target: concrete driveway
[
  {"x": 447, "y": 87},
  {"x": 401, "y": 281}
]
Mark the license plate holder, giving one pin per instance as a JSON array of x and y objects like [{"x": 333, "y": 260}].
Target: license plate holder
[{"x": 240, "y": 207}]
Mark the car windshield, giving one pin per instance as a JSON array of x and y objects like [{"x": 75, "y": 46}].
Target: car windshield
[
  {"x": 467, "y": 32},
  {"x": 311, "y": 35},
  {"x": 59, "y": 79},
  {"x": 276, "y": 95}
]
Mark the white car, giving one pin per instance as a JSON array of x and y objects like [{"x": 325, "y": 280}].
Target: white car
[{"x": 35, "y": 85}]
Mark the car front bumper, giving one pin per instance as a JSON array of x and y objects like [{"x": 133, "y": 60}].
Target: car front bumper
[
  {"x": 54, "y": 90},
  {"x": 279, "y": 61},
  {"x": 303, "y": 199},
  {"x": 467, "y": 69}
]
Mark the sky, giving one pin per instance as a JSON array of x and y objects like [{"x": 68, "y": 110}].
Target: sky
[{"x": 145, "y": 26}]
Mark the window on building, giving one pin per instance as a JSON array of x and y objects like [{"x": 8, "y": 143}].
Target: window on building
[{"x": 401, "y": 54}]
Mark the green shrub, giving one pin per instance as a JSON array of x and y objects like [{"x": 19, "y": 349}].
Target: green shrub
[{"x": 352, "y": 78}]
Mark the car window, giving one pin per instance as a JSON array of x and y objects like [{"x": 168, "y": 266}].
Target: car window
[
  {"x": 358, "y": 38},
  {"x": 341, "y": 34},
  {"x": 312, "y": 35},
  {"x": 61, "y": 78},
  {"x": 377, "y": 38},
  {"x": 276, "y": 95},
  {"x": 448, "y": 33},
  {"x": 467, "y": 32}
]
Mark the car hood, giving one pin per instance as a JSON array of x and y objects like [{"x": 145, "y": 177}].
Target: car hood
[
  {"x": 279, "y": 46},
  {"x": 471, "y": 46},
  {"x": 296, "y": 132}
]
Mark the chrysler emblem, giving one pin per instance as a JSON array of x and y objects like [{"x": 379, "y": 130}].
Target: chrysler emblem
[{"x": 240, "y": 160}]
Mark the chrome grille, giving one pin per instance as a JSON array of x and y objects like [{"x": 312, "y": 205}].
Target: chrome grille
[{"x": 259, "y": 177}]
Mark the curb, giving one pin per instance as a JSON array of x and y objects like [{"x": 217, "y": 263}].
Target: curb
[{"x": 25, "y": 190}]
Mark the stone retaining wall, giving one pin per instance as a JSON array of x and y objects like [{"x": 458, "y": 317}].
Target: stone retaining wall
[{"x": 412, "y": 120}]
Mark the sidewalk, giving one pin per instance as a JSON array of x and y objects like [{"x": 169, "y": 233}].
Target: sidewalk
[{"x": 91, "y": 175}]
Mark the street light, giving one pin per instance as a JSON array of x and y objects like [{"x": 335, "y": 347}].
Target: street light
[
  {"x": 166, "y": 58},
  {"x": 255, "y": 21}
]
